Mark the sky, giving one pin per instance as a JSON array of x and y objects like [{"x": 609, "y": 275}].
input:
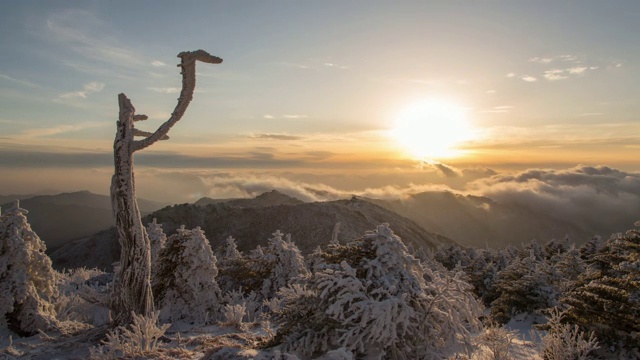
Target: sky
[{"x": 346, "y": 95}]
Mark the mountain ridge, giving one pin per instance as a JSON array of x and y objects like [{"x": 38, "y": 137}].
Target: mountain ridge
[{"x": 310, "y": 225}]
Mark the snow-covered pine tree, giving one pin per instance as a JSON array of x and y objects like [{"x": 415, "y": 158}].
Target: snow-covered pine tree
[
  {"x": 371, "y": 296},
  {"x": 132, "y": 286},
  {"x": 606, "y": 298},
  {"x": 231, "y": 249},
  {"x": 264, "y": 270},
  {"x": 185, "y": 285},
  {"x": 556, "y": 247},
  {"x": 27, "y": 281},
  {"x": 284, "y": 261},
  {"x": 523, "y": 287}
]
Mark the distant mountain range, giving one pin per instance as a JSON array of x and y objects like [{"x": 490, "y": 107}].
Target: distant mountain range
[
  {"x": 57, "y": 219},
  {"x": 252, "y": 221},
  {"x": 479, "y": 221},
  {"x": 78, "y": 223}
]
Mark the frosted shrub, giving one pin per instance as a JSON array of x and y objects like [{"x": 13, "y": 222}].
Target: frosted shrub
[
  {"x": 139, "y": 339},
  {"x": 264, "y": 270},
  {"x": 84, "y": 296},
  {"x": 566, "y": 341},
  {"x": 250, "y": 302},
  {"x": 371, "y": 296},
  {"x": 498, "y": 340},
  {"x": 185, "y": 286},
  {"x": 233, "y": 315},
  {"x": 27, "y": 281}
]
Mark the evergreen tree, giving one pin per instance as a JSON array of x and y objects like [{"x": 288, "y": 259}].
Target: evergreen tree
[
  {"x": 523, "y": 287},
  {"x": 231, "y": 249},
  {"x": 264, "y": 270},
  {"x": 606, "y": 298},
  {"x": 185, "y": 285},
  {"x": 27, "y": 281},
  {"x": 372, "y": 297}
]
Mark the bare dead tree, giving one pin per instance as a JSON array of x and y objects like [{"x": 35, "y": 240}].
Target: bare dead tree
[{"x": 132, "y": 289}]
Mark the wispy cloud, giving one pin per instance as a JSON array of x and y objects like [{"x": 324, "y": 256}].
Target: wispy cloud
[
  {"x": 313, "y": 65},
  {"x": 511, "y": 75},
  {"x": 90, "y": 41},
  {"x": 87, "y": 89},
  {"x": 541, "y": 60},
  {"x": 286, "y": 116},
  {"x": 334, "y": 65},
  {"x": 61, "y": 129},
  {"x": 165, "y": 90},
  {"x": 270, "y": 136},
  {"x": 580, "y": 69},
  {"x": 498, "y": 109},
  {"x": 21, "y": 82},
  {"x": 555, "y": 74},
  {"x": 157, "y": 63},
  {"x": 529, "y": 78}
]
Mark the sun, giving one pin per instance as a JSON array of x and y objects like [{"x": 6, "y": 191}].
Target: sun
[{"x": 432, "y": 129}]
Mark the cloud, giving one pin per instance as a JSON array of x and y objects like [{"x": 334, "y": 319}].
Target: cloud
[
  {"x": 498, "y": 109},
  {"x": 157, "y": 63},
  {"x": 334, "y": 65},
  {"x": 529, "y": 78},
  {"x": 21, "y": 82},
  {"x": 61, "y": 129},
  {"x": 294, "y": 65},
  {"x": 511, "y": 75},
  {"x": 89, "y": 44},
  {"x": 580, "y": 69},
  {"x": 285, "y": 116},
  {"x": 275, "y": 136},
  {"x": 490, "y": 92},
  {"x": 598, "y": 197},
  {"x": 226, "y": 185},
  {"x": 444, "y": 170},
  {"x": 541, "y": 60},
  {"x": 165, "y": 90},
  {"x": 87, "y": 89},
  {"x": 555, "y": 74}
]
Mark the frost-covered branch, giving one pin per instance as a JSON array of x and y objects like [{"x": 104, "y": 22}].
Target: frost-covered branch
[{"x": 188, "y": 65}]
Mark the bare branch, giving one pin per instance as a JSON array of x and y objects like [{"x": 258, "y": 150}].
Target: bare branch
[
  {"x": 188, "y": 65},
  {"x": 138, "y": 132},
  {"x": 140, "y": 117}
]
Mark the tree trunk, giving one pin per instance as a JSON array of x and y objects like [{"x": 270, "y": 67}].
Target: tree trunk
[
  {"x": 132, "y": 289},
  {"x": 132, "y": 285}
]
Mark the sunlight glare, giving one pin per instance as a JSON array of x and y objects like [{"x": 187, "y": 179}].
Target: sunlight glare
[{"x": 432, "y": 128}]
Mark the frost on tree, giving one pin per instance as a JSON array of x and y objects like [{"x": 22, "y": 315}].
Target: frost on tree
[
  {"x": 185, "y": 285},
  {"x": 264, "y": 270},
  {"x": 606, "y": 297},
  {"x": 372, "y": 297},
  {"x": 132, "y": 288},
  {"x": 27, "y": 281},
  {"x": 157, "y": 241}
]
